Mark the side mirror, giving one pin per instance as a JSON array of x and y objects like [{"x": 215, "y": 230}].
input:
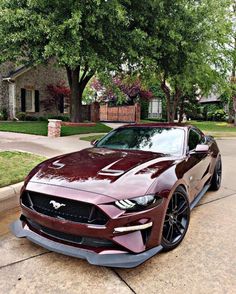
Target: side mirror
[
  {"x": 93, "y": 142},
  {"x": 202, "y": 148}
]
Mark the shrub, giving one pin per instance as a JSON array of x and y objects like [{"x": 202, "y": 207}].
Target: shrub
[
  {"x": 61, "y": 117},
  {"x": 217, "y": 115},
  {"x": 144, "y": 108},
  {"x": 42, "y": 118},
  {"x": 3, "y": 114},
  {"x": 21, "y": 115},
  {"x": 31, "y": 118}
]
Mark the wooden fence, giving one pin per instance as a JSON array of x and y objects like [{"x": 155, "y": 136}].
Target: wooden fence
[{"x": 129, "y": 113}]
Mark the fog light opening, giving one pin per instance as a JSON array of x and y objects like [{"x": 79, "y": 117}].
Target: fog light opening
[{"x": 132, "y": 228}]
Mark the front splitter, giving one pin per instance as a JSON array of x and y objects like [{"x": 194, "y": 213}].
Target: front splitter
[{"x": 121, "y": 260}]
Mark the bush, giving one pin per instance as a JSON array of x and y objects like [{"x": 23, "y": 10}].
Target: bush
[
  {"x": 31, "y": 118},
  {"x": 3, "y": 114},
  {"x": 217, "y": 115},
  {"x": 26, "y": 117},
  {"x": 42, "y": 118},
  {"x": 21, "y": 115},
  {"x": 61, "y": 117},
  {"x": 144, "y": 104}
]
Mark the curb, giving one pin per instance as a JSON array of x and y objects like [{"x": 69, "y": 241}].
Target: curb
[{"x": 9, "y": 196}]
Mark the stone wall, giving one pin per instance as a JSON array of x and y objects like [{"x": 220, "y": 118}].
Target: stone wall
[{"x": 37, "y": 78}]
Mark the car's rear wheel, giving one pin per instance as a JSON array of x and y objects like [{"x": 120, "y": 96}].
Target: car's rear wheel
[
  {"x": 176, "y": 220},
  {"x": 217, "y": 175}
]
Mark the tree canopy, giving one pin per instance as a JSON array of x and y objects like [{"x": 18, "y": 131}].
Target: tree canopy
[
  {"x": 187, "y": 46},
  {"x": 84, "y": 36},
  {"x": 180, "y": 43}
]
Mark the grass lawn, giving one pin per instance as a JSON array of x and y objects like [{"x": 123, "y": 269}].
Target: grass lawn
[
  {"x": 40, "y": 128},
  {"x": 217, "y": 129},
  {"x": 16, "y": 165}
]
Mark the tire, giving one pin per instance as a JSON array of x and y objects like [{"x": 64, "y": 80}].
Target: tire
[
  {"x": 217, "y": 176},
  {"x": 176, "y": 220}
]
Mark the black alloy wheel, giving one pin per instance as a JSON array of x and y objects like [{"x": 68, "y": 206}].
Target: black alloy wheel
[
  {"x": 176, "y": 220},
  {"x": 217, "y": 175}
]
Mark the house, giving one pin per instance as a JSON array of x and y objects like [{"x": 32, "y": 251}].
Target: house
[
  {"x": 212, "y": 98},
  {"x": 24, "y": 88}
]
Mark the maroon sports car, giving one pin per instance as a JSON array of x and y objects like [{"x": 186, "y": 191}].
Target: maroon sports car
[{"x": 123, "y": 200}]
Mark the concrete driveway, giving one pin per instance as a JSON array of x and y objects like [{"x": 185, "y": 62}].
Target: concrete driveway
[{"x": 205, "y": 262}]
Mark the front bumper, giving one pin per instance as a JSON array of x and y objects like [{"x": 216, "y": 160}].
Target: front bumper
[{"x": 122, "y": 260}]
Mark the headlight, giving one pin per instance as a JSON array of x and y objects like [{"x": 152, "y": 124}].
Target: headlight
[{"x": 139, "y": 203}]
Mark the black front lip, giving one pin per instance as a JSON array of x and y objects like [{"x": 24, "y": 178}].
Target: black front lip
[{"x": 121, "y": 260}]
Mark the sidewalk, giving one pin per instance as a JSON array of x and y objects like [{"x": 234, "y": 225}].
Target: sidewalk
[
  {"x": 41, "y": 145},
  {"x": 45, "y": 146}
]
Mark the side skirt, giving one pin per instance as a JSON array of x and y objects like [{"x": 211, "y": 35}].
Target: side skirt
[{"x": 199, "y": 196}]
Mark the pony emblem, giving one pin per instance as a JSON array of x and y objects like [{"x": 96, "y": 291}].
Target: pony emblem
[{"x": 56, "y": 205}]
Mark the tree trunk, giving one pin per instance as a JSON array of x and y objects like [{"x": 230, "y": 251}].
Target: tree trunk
[
  {"x": 75, "y": 103},
  {"x": 171, "y": 104},
  {"x": 176, "y": 98},
  {"x": 166, "y": 91},
  {"x": 234, "y": 108},
  {"x": 181, "y": 111},
  {"x": 77, "y": 86}
]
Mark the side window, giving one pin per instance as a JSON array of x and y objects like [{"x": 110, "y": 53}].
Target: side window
[{"x": 194, "y": 139}]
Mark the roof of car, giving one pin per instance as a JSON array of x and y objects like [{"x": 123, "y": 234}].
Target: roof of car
[{"x": 160, "y": 124}]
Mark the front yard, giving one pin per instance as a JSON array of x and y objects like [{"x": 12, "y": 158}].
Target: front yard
[
  {"x": 16, "y": 165},
  {"x": 214, "y": 128},
  {"x": 218, "y": 129},
  {"x": 40, "y": 128}
]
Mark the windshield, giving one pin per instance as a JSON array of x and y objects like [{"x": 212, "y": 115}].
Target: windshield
[{"x": 154, "y": 139}]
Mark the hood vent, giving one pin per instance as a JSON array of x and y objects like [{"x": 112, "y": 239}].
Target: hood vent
[
  {"x": 107, "y": 171},
  {"x": 111, "y": 172}
]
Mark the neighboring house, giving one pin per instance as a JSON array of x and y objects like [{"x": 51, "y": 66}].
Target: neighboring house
[
  {"x": 155, "y": 108},
  {"x": 24, "y": 89},
  {"x": 212, "y": 98}
]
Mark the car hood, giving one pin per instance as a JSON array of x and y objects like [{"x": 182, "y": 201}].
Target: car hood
[{"x": 115, "y": 173}]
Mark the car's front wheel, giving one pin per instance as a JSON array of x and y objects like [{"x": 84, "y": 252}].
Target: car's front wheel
[
  {"x": 176, "y": 220},
  {"x": 216, "y": 178}
]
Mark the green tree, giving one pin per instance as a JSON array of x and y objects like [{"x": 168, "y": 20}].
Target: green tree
[
  {"x": 233, "y": 77},
  {"x": 186, "y": 46},
  {"x": 84, "y": 36}
]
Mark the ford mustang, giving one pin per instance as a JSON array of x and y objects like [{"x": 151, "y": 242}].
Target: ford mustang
[{"x": 124, "y": 199}]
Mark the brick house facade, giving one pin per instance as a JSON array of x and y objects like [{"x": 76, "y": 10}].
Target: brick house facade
[{"x": 24, "y": 89}]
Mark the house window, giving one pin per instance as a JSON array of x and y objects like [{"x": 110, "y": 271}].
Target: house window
[
  {"x": 29, "y": 101},
  {"x": 155, "y": 108},
  {"x": 66, "y": 105}
]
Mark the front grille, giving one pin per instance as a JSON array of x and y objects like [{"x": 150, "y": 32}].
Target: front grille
[
  {"x": 72, "y": 210},
  {"x": 81, "y": 240}
]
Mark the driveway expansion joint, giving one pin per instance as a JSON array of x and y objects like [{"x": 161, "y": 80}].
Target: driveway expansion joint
[
  {"x": 120, "y": 277},
  {"x": 30, "y": 257},
  {"x": 217, "y": 199}
]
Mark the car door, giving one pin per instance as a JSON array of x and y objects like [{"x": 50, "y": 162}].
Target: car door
[{"x": 198, "y": 163}]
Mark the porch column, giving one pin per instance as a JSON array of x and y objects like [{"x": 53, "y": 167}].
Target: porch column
[{"x": 12, "y": 100}]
